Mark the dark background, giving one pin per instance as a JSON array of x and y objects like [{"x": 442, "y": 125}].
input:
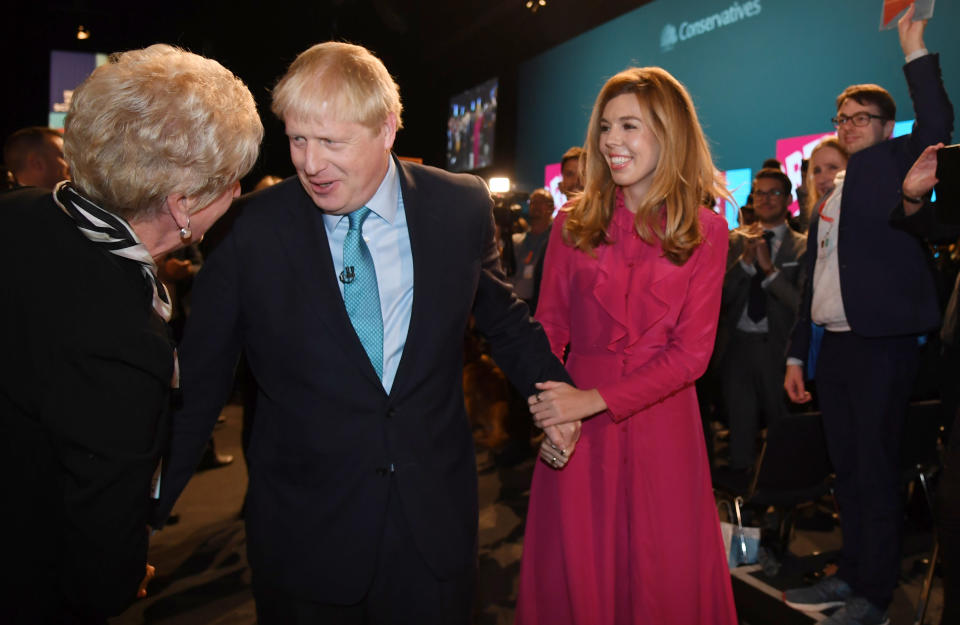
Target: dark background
[{"x": 434, "y": 50}]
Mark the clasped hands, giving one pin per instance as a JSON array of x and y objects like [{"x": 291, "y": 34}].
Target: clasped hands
[
  {"x": 558, "y": 409},
  {"x": 755, "y": 249}
]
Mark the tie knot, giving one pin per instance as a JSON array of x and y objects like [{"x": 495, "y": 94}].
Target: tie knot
[
  {"x": 768, "y": 235},
  {"x": 357, "y": 218}
]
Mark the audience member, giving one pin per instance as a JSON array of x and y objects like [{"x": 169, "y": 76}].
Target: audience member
[
  {"x": 88, "y": 364},
  {"x": 761, "y": 295},
  {"x": 827, "y": 159},
  {"x": 35, "y": 157},
  {"x": 362, "y": 499},
  {"x": 267, "y": 181},
  {"x": 529, "y": 246},
  {"x": 801, "y": 221},
  {"x": 632, "y": 282},
  {"x": 872, "y": 288},
  {"x": 571, "y": 172},
  {"x": 917, "y": 214}
]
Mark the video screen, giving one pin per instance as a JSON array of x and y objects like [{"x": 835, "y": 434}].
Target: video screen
[
  {"x": 67, "y": 71},
  {"x": 470, "y": 128}
]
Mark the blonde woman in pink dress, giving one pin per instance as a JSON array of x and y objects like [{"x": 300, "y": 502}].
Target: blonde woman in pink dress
[{"x": 622, "y": 527}]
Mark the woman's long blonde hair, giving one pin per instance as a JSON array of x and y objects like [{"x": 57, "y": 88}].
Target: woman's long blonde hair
[{"x": 683, "y": 181}]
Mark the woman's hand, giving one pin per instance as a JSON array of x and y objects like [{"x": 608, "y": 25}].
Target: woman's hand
[
  {"x": 558, "y": 444},
  {"x": 558, "y": 402}
]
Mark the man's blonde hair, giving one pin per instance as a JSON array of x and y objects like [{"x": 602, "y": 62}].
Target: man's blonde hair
[
  {"x": 339, "y": 79},
  {"x": 158, "y": 121}
]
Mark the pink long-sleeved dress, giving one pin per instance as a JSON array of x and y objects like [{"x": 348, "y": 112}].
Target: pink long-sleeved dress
[{"x": 627, "y": 532}]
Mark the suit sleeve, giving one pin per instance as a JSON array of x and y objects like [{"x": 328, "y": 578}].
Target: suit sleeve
[
  {"x": 518, "y": 343},
  {"x": 553, "y": 308},
  {"x": 103, "y": 413},
  {"x": 931, "y": 105},
  {"x": 786, "y": 290},
  {"x": 736, "y": 280},
  {"x": 800, "y": 336},
  {"x": 687, "y": 352},
  {"x": 924, "y": 224},
  {"x": 208, "y": 360}
]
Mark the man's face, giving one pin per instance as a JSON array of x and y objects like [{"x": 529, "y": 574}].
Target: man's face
[
  {"x": 541, "y": 208},
  {"x": 51, "y": 165},
  {"x": 570, "y": 181},
  {"x": 769, "y": 207},
  {"x": 856, "y": 138},
  {"x": 340, "y": 164}
]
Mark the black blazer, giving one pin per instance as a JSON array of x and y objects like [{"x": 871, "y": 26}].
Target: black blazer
[
  {"x": 886, "y": 280},
  {"x": 326, "y": 434},
  {"x": 84, "y": 389}
]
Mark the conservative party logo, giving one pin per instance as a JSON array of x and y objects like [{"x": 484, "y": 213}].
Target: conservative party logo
[{"x": 668, "y": 38}]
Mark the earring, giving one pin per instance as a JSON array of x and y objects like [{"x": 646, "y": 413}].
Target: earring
[{"x": 185, "y": 232}]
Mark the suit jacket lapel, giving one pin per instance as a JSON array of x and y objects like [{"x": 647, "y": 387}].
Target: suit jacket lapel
[
  {"x": 420, "y": 229},
  {"x": 304, "y": 240}
]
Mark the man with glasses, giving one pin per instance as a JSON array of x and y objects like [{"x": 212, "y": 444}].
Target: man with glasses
[
  {"x": 873, "y": 291},
  {"x": 761, "y": 294}
]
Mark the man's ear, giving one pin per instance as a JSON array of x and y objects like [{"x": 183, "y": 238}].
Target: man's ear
[
  {"x": 888, "y": 128},
  {"x": 179, "y": 208},
  {"x": 389, "y": 130}
]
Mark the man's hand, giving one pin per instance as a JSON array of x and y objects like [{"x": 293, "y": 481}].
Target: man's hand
[
  {"x": 793, "y": 383},
  {"x": 558, "y": 444},
  {"x": 142, "y": 591},
  {"x": 911, "y": 33},
  {"x": 558, "y": 402},
  {"x": 749, "y": 254},
  {"x": 921, "y": 178}
]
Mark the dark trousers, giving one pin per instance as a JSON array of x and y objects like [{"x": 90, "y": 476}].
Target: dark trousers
[
  {"x": 753, "y": 370},
  {"x": 403, "y": 591},
  {"x": 948, "y": 527},
  {"x": 865, "y": 386}
]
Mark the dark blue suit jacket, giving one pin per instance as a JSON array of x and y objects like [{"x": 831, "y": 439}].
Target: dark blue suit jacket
[
  {"x": 326, "y": 432},
  {"x": 886, "y": 280}
]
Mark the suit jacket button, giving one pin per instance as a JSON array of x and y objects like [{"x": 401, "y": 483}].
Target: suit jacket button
[{"x": 391, "y": 413}]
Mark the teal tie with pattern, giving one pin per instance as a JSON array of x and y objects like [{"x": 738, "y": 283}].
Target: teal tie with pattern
[{"x": 360, "y": 294}]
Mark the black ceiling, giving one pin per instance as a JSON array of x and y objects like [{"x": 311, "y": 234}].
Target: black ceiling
[{"x": 434, "y": 49}]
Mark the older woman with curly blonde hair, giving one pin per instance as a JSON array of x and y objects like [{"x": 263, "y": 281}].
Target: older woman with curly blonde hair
[
  {"x": 622, "y": 526},
  {"x": 157, "y": 140}
]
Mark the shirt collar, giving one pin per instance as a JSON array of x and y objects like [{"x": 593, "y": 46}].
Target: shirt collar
[{"x": 779, "y": 231}]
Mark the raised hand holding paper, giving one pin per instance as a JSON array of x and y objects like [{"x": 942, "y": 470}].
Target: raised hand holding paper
[{"x": 892, "y": 9}]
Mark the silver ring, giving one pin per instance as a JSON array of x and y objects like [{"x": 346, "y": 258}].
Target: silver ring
[{"x": 555, "y": 460}]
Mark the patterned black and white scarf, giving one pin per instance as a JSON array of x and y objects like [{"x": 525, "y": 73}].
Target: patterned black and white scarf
[{"x": 114, "y": 234}]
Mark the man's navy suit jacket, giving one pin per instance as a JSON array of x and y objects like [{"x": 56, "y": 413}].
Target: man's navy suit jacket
[
  {"x": 328, "y": 441},
  {"x": 886, "y": 279}
]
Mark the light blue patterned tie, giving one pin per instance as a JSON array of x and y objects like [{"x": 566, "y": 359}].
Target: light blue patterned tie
[{"x": 360, "y": 293}]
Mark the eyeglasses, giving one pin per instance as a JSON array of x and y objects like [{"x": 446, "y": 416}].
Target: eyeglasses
[
  {"x": 859, "y": 120},
  {"x": 774, "y": 193}
]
